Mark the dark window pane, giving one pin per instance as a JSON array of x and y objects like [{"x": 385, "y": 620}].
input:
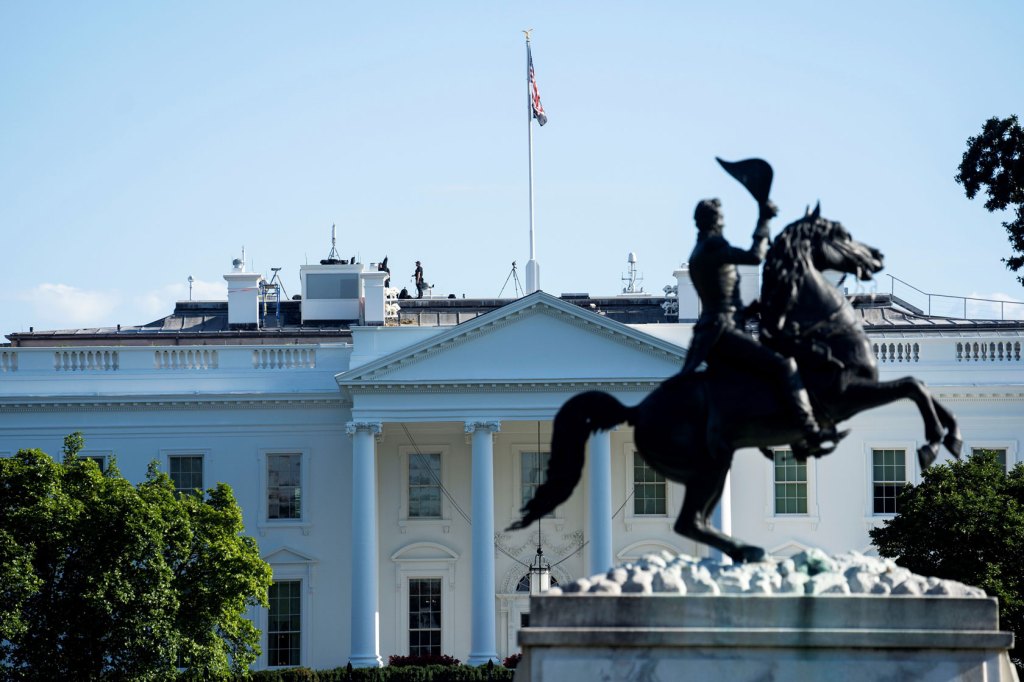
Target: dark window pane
[
  {"x": 424, "y": 616},
  {"x": 648, "y": 488},
  {"x": 424, "y": 485},
  {"x": 186, "y": 472},
  {"x": 284, "y": 486},
  {"x": 284, "y": 623}
]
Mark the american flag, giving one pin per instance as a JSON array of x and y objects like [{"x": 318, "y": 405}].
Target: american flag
[{"x": 535, "y": 105}]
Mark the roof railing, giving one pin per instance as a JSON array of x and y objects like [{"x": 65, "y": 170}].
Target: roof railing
[{"x": 962, "y": 307}]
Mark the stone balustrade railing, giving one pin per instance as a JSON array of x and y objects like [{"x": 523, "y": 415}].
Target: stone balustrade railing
[
  {"x": 897, "y": 351},
  {"x": 284, "y": 358},
  {"x": 120, "y": 360},
  {"x": 991, "y": 351},
  {"x": 198, "y": 358},
  {"x": 935, "y": 352},
  {"x": 86, "y": 360},
  {"x": 938, "y": 350}
]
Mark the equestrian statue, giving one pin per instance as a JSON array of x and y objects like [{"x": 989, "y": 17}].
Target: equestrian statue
[{"x": 810, "y": 369}]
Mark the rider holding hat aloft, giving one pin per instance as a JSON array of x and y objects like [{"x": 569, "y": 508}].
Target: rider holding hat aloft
[{"x": 716, "y": 338}]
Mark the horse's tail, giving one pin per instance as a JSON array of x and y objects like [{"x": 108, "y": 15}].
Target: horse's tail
[{"x": 581, "y": 416}]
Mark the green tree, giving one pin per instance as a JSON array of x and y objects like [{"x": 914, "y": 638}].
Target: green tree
[
  {"x": 100, "y": 578},
  {"x": 995, "y": 160},
  {"x": 965, "y": 522}
]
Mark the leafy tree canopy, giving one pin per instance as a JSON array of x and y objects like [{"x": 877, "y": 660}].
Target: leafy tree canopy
[
  {"x": 965, "y": 522},
  {"x": 995, "y": 160},
  {"x": 103, "y": 579}
]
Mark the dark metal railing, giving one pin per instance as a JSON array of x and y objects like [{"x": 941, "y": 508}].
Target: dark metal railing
[{"x": 959, "y": 306}]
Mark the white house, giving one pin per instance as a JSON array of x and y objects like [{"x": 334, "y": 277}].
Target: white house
[{"x": 378, "y": 454}]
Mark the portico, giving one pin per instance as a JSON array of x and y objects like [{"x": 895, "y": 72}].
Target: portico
[{"x": 464, "y": 413}]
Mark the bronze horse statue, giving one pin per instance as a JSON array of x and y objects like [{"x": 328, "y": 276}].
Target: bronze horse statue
[{"x": 689, "y": 427}]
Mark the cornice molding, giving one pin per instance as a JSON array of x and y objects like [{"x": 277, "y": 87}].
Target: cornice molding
[
  {"x": 155, "y": 403},
  {"x": 965, "y": 396},
  {"x": 503, "y": 386}
]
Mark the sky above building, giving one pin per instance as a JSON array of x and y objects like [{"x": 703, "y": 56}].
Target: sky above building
[{"x": 143, "y": 143}]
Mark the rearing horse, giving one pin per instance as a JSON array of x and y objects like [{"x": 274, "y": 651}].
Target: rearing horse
[{"x": 689, "y": 427}]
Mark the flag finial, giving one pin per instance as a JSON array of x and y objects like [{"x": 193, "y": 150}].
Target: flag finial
[{"x": 527, "y": 33}]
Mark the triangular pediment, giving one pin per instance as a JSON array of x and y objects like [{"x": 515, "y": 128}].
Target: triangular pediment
[
  {"x": 537, "y": 339},
  {"x": 287, "y": 555}
]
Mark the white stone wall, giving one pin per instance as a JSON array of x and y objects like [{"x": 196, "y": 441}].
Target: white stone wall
[{"x": 235, "y": 404}]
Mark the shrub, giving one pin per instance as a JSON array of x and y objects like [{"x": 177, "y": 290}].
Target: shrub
[{"x": 429, "y": 659}]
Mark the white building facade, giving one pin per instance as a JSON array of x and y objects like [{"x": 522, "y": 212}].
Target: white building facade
[{"x": 378, "y": 459}]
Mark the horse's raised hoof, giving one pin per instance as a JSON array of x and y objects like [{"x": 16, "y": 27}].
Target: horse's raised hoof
[
  {"x": 747, "y": 554},
  {"x": 822, "y": 443},
  {"x": 926, "y": 455},
  {"x": 954, "y": 443}
]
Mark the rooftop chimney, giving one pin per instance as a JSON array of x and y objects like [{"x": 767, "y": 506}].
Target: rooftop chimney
[{"x": 243, "y": 296}]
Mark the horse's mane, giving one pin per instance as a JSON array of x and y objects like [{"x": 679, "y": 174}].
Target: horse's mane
[{"x": 786, "y": 266}]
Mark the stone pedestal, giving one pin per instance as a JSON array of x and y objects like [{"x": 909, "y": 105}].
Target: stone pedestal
[{"x": 673, "y": 636}]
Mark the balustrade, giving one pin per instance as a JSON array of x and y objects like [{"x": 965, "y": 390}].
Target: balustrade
[
  {"x": 85, "y": 361},
  {"x": 284, "y": 358},
  {"x": 193, "y": 358},
  {"x": 988, "y": 351},
  {"x": 898, "y": 351}
]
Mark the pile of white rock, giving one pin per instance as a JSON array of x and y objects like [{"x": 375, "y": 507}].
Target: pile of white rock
[{"x": 809, "y": 573}]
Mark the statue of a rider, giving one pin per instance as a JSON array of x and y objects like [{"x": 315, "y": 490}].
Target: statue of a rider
[{"x": 718, "y": 337}]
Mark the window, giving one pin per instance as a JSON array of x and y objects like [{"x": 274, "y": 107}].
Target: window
[
  {"x": 284, "y": 623},
  {"x": 790, "y": 484},
  {"x": 332, "y": 286},
  {"x": 424, "y": 616},
  {"x": 424, "y": 486},
  {"x": 1000, "y": 454},
  {"x": 101, "y": 461},
  {"x": 889, "y": 475},
  {"x": 186, "y": 472},
  {"x": 534, "y": 471},
  {"x": 648, "y": 488},
  {"x": 284, "y": 486}
]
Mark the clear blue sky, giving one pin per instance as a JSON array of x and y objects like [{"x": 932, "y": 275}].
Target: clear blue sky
[{"x": 143, "y": 142}]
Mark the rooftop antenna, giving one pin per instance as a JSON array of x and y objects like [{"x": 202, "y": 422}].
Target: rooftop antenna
[
  {"x": 334, "y": 240},
  {"x": 517, "y": 287},
  {"x": 333, "y": 258},
  {"x": 631, "y": 278},
  {"x": 190, "y": 280}
]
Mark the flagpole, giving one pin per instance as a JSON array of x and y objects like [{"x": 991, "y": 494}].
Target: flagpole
[{"x": 532, "y": 267}]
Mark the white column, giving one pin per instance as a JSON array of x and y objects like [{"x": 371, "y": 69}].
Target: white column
[
  {"x": 365, "y": 652},
  {"x": 599, "y": 494},
  {"x": 483, "y": 642}
]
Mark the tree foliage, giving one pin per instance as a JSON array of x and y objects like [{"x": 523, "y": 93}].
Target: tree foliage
[
  {"x": 100, "y": 578},
  {"x": 995, "y": 160},
  {"x": 965, "y": 522}
]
